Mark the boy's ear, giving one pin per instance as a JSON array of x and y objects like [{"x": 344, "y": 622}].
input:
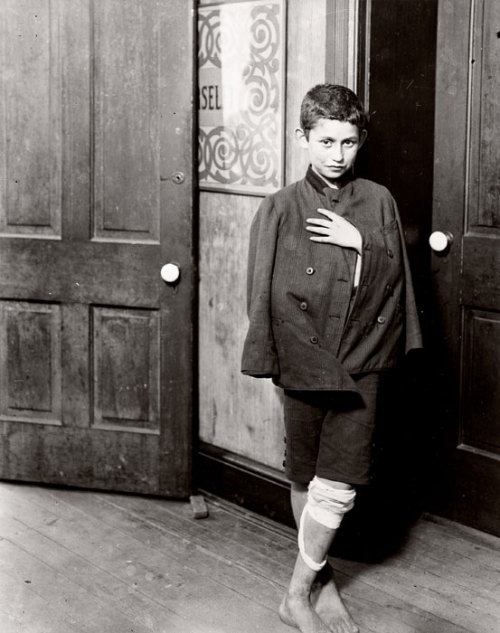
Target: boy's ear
[
  {"x": 362, "y": 138},
  {"x": 300, "y": 135}
]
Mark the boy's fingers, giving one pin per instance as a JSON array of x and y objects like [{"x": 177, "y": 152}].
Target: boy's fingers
[
  {"x": 319, "y": 229},
  {"x": 319, "y": 221},
  {"x": 319, "y": 239}
]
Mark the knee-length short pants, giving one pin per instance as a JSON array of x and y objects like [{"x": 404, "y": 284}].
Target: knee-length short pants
[{"x": 330, "y": 434}]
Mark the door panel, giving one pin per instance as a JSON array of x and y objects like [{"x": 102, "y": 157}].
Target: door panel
[
  {"x": 30, "y": 349},
  {"x": 32, "y": 123},
  {"x": 467, "y": 276},
  {"x": 481, "y": 396},
  {"x": 484, "y": 204},
  {"x": 126, "y": 381},
  {"x": 96, "y": 350},
  {"x": 127, "y": 67}
]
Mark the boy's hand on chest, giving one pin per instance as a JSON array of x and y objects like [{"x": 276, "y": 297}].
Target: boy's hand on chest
[{"x": 334, "y": 229}]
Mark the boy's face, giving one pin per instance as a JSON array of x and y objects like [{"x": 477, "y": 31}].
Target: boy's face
[{"x": 332, "y": 146}]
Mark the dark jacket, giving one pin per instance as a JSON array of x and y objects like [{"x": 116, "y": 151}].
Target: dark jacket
[{"x": 307, "y": 330}]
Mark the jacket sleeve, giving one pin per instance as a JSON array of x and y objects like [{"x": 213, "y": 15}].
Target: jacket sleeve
[
  {"x": 413, "y": 336},
  {"x": 259, "y": 353},
  {"x": 389, "y": 276}
]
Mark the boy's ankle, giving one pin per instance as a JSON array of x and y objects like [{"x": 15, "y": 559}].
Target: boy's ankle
[
  {"x": 325, "y": 575},
  {"x": 298, "y": 594}
]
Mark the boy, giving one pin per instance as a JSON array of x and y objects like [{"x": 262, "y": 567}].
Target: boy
[{"x": 331, "y": 306}]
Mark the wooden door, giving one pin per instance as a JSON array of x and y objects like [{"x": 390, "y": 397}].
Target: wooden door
[
  {"x": 467, "y": 273},
  {"x": 96, "y": 195}
]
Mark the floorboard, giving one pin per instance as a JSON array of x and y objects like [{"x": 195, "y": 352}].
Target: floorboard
[{"x": 81, "y": 561}]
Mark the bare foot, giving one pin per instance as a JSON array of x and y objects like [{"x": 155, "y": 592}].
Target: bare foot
[
  {"x": 298, "y": 612},
  {"x": 330, "y": 606}
]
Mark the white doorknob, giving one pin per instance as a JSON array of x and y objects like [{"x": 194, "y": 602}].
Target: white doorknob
[
  {"x": 440, "y": 241},
  {"x": 170, "y": 273}
]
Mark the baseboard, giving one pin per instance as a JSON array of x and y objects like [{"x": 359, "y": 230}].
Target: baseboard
[{"x": 243, "y": 481}]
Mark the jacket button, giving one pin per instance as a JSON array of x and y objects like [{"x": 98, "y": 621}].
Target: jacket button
[
  {"x": 303, "y": 305},
  {"x": 314, "y": 340},
  {"x": 310, "y": 270},
  {"x": 381, "y": 319},
  {"x": 390, "y": 253}
]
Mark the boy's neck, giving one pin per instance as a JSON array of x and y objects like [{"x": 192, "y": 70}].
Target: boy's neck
[
  {"x": 330, "y": 183},
  {"x": 333, "y": 184}
]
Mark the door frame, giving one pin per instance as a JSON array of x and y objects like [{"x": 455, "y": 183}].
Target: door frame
[{"x": 179, "y": 180}]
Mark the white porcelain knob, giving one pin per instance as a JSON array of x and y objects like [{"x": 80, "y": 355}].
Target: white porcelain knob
[
  {"x": 440, "y": 241},
  {"x": 170, "y": 273}
]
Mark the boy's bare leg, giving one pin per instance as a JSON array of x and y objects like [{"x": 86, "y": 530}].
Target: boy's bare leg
[
  {"x": 297, "y": 608},
  {"x": 298, "y": 498}
]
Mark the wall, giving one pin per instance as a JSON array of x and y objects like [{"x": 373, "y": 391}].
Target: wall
[{"x": 240, "y": 414}]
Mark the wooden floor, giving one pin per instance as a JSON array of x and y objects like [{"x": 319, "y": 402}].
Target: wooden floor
[{"x": 78, "y": 561}]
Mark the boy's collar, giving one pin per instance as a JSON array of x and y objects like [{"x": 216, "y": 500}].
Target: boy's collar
[{"x": 322, "y": 186}]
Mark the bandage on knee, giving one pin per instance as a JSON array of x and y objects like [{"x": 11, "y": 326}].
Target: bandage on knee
[{"x": 325, "y": 505}]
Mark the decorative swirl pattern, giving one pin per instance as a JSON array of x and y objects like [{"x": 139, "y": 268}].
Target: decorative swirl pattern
[
  {"x": 209, "y": 35},
  {"x": 244, "y": 151}
]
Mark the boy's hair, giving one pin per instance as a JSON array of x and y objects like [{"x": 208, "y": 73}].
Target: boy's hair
[{"x": 329, "y": 101}]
